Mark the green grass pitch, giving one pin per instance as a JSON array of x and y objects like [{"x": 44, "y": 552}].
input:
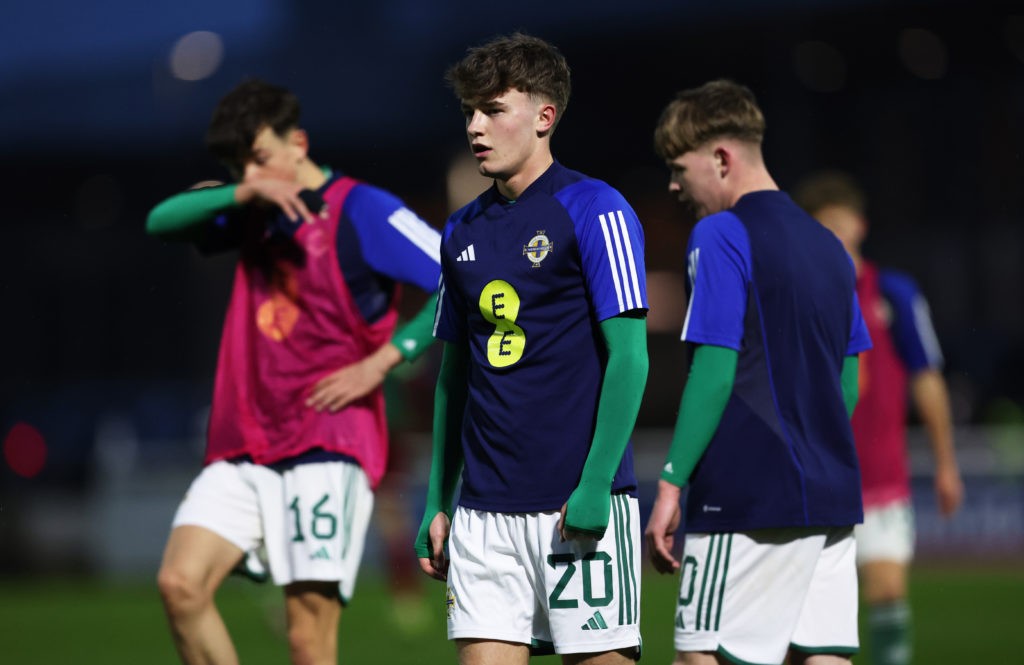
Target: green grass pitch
[{"x": 961, "y": 615}]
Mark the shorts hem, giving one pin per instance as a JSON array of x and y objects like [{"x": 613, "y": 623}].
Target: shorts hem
[
  {"x": 191, "y": 521},
  {"x": 837, "y": 650},
  {"x": 489, "y": 634},
  {"x": 598, "y": 647}
]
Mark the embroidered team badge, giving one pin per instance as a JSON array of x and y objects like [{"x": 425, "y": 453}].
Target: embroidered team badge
[
  {"x": 450, "y": 602},
  {"x": 538, "y": 249}
]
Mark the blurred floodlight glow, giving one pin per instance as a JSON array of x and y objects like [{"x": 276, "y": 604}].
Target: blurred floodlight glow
[
  {"x": 819, "y": 66},
  {"x": 923, "y": 53},
  {"x": 196, "y": 56}
]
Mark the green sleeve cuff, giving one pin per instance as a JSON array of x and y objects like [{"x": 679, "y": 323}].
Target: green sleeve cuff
[
  {"x": 707, "y": 392},
  {"x": 184, "y": 212},
  {"x": 417, "y": 335},
  {"x": 850, "y": 380}
]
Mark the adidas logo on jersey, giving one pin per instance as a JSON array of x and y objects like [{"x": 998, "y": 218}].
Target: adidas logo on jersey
[
  {"x": 595, "y": 622},
  {"x": 468, "y": 254},
  {"x": 321, "y": 554}
]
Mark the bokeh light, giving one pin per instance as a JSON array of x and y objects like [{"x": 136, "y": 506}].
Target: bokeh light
[
  {"x": 196, "y": 56},
  {"x": 819, "y": 66},
  {"x": 25, "y": 450},
  {"x": 923, "y": 53}
]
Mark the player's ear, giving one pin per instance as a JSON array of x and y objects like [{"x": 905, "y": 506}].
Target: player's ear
[
  {"x": 546, "y": 115},
  {"x": 298, "y": 139},
  {"x": 723, "y": 161}
]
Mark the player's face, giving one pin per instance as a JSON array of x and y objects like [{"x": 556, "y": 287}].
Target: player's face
[
  {"x": 847, "y": 224},
  {"x": 504, "y": 133},
  {"x": 274, "y": 156},
  {"x": 696, "y": 179}
]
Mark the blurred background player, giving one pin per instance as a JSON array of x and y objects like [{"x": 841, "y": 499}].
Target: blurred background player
[
  {"x": 297, "y": 440},
  {"x": 542, "y": 308},
  {"x": 763, "y": 435},
  {"x": 906, "y": 355}
]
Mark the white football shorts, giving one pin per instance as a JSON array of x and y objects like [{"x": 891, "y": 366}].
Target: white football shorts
[
  {"x": 751, "y": 596},
  {"x": 887, "y": 533},
  {"x": 307, "y": 523},
  {"x": 511, "y": 579}
]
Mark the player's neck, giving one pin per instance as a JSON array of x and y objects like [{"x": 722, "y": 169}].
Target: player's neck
[
  {"x": 310, "y": 175},
  {"x": 514, "y": 186},
  {"x": 756, "y": 180}
]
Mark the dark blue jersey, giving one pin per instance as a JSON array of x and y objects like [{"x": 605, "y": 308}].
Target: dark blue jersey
[
  {"x": 524, "y": 287},
  {"x": 770, "y": 282},
  {"x": 910, "y": 321}
]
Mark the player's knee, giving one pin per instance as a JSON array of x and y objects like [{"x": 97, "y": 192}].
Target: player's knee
[{"x": 181, "y": 593}]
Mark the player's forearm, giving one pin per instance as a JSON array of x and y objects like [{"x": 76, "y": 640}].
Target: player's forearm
[
  {"x": 707, "y": 392},
  {"x": 449, "y": 407},
  {"x": 931, "y": 400},
  {"x": 850, "y": 381},
  {"x": 183, "y": 212},
  {"x": 412, "y": 339},
  {"x": 622, "y": 391}
]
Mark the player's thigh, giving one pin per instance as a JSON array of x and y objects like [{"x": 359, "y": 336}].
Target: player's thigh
[
  {"x": 196, "y": 557},
  {"x": 314, "y": 607},
  {"x": 488, "y": 652},
  {"x": 828, "y": 619},
  {"x": 618, "y": 657},
  {"x": 741, "y": 594}
]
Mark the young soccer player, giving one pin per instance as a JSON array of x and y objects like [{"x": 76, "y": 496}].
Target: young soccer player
[
  {"x": 905, "y": 358},
  {"x": 297, "y": 439},
  {"x": 542, "y": 307},
  {"x": 763, "y": 436}
]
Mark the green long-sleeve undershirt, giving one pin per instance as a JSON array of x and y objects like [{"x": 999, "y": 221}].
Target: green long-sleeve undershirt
[
  {"x": 707, "y": 392},
  {"x": 622, "y": 390},
  {"x": 184, "y": 216}
]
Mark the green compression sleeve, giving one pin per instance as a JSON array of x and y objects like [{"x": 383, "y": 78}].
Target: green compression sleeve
[
  {"x": 446, "y": 460},
  {"x": 622, "y": 390},
  {"x": 417, "y": 335},
  {"x": 707, "y": 391},
  {"x": 851, "y": 384},
  {"x": 182, "y": 213}
]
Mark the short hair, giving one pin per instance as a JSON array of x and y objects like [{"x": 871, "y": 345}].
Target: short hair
[
  {"x": 829, "y": 188},
  {"x": 520, "y": 61},
  {"x": 717, "y": 109},
  {"x": 242, "y": 113}
]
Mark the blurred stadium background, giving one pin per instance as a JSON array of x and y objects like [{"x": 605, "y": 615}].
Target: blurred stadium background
[{"x": 109, "y": 337}]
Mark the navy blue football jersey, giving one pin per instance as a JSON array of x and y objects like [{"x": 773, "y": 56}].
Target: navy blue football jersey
[
  {"x": 524, "y": 286},
  {"x": 770, "y": 282}
]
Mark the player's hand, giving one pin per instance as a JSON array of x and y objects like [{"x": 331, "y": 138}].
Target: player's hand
[
  {"x": 344, "y": 386},
  {"x": 281, "y": 193},
  {"x": 661, "y": 527},
  {"x": 949, "y": 489},
  {"x": 585, "y": 514},
  {"x": 430, "y": 541}
]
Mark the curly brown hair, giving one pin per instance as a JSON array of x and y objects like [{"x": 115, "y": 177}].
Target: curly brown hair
[{"x": 518, "y": 61}]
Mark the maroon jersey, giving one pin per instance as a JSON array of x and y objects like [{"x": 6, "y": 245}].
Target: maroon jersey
[
  {"x": 879, "y": 422},
  {"x": 292, "y": 320}
]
